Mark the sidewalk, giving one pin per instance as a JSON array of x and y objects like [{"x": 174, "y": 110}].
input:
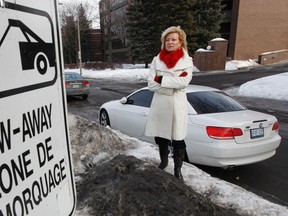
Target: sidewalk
[{"x": 263, "y": 103}]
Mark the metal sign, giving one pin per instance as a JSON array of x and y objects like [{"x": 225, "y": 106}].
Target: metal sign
[{"x": 36, "y": 176}]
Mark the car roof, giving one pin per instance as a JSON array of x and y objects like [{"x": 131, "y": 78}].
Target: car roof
[{"x": 195, "y": 88}]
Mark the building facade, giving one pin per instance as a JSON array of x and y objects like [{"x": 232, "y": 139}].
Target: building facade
[
  {"x": 96, "y": 45},
  {"x": 112, "y": 23},
  {"x": 251, "y": 28},
  {"x": 258, "y": 26}
]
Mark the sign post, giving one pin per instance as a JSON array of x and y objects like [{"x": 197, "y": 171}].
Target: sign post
[{"x": 36, "y": 175}]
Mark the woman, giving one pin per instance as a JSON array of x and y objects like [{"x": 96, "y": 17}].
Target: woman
[{"x": 170, "y": 73}]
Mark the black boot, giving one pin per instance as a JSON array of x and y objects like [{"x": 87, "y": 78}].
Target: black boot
[
  {"x": 179, "y": 155},
  {"x": 179, "y": 152},
  {"x": 163, "y": 151}
]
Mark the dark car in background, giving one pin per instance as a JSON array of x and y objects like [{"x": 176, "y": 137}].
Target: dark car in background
[{"x": 76, "y": 85}]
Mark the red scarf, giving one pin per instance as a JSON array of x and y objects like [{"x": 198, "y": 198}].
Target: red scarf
[{"x": 171, "y": 58}]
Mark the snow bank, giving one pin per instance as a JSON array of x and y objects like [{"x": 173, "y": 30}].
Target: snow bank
[
  {"x": 264, "y": 87},
  {"x": 93, "y": 144}
]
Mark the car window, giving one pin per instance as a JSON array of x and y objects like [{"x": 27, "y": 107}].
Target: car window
[
  {"x": 213, "y": 102},
  {"x": 67, "y": 76},
  {"x": 73, "y": 76},
  {"x": 141, "y": 98}
]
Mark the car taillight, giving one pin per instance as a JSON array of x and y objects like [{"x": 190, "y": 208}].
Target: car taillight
[
  {"x": 67, "y": 84},
  {"x": 223, "y": 132},
  {"x": 276, "y": 126},
  {"x": 85, "y": 83}
]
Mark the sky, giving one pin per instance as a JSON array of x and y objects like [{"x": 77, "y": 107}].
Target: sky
[
  {"x": 92, "y": 12},
  {"x": 220, "y": 192}
]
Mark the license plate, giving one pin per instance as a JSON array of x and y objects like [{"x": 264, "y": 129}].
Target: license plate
[
  {"x": 256, "y": 133},
  {"x": 76, "y": 86}
]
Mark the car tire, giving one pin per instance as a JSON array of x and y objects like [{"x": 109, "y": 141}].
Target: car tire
[
  {"x": 84, "y": 97},
  {"x": 104, "y": 118}
]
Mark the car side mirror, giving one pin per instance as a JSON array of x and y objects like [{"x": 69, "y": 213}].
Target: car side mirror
[{"x": 123, "y": 100}]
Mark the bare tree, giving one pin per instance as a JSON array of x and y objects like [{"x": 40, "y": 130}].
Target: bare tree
[
  {"x": 71, "y": 9},
  {"x": 76, "y": 22}
]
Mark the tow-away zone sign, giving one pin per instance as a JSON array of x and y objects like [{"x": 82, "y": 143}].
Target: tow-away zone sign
[{"x": 36, "y": 175}]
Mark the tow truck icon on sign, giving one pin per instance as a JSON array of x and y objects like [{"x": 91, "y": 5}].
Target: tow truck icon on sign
[
  {"x": 25, "y": 46},
  {"x": 34, "y": 55}
]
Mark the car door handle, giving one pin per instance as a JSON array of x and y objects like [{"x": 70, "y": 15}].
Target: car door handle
[{"x": 143, "y": 114}]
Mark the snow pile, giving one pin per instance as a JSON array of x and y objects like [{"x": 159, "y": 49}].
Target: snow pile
[
  {"x": 203, "y": 50},
  {"x": 218, "y": 39},
  {"x": 236, "y": 64},
  {"x": 93, "y": 144},
  {"x": 127, "y": 75},
  {"x": 271, "y": 87}
]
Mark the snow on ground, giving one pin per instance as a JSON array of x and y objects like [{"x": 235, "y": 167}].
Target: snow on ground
[
  {"x": 219, "y": 191},
  {"x": 271, "y": 87}
]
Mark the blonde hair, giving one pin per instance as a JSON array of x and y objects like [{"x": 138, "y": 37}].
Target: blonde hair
[{"x": 174, "y": 29}]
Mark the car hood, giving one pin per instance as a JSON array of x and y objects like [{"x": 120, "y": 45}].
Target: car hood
[{"x": 110, "y": 103}]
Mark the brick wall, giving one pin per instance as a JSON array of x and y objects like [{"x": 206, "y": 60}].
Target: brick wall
[
  {"x": 213, "y": 59},
  {"x": 272, "y": 57},
  {"x": 261, "y": 26}
]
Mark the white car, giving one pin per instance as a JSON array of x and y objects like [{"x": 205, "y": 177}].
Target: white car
[{"x": 221, "y": 131}]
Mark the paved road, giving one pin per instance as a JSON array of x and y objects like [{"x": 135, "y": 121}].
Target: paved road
[
  {"x": 268, "y": 178},
  {"x": 101, "y": 91},
  {"x": 226, "y": 79}
]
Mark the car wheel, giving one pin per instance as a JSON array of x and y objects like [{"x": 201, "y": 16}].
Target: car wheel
[
  {"x": 84, "y": 97},
  {"x": 104, "y": 118}
]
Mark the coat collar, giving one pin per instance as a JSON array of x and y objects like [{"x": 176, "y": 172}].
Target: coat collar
[
  {"x": 171, "y": 58},
  {"x": 184, "y": 62}
]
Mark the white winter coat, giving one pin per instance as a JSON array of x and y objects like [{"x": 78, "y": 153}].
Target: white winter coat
[{"x": 168, "y": 114}]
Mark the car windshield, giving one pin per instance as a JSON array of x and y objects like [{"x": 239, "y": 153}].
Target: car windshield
[
  {"x": 73, "y": 76},
  {"x": 213, "y": 102}
]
